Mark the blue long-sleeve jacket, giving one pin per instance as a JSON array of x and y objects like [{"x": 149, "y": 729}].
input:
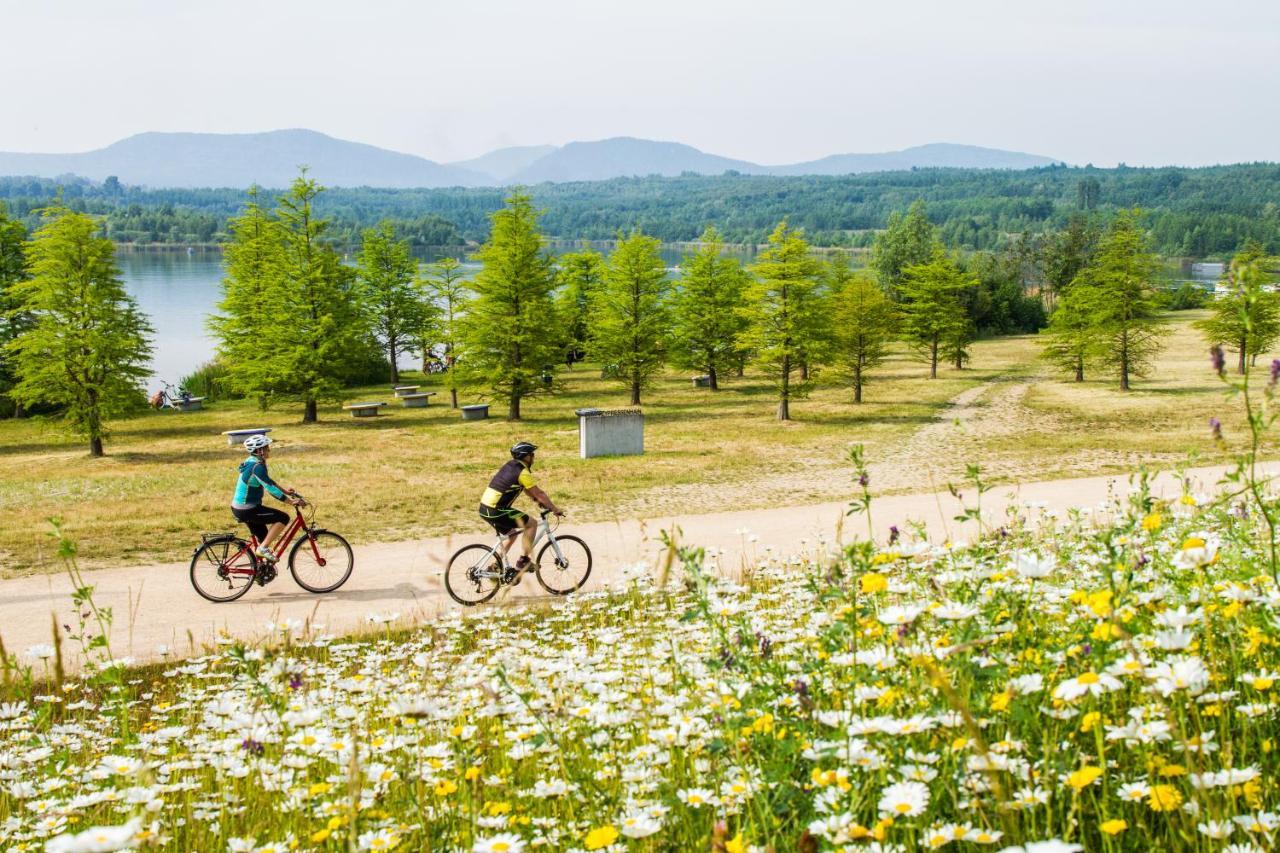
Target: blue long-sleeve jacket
[{"x": 252, "y": 481}]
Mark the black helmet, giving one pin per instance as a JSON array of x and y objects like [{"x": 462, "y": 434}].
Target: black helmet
[{"x": 522, "y": 448}]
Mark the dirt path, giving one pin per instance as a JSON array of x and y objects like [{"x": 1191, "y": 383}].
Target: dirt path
[{"x": 155, "y": 605}]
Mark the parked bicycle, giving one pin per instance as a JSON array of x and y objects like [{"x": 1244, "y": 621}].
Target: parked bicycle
[
  {"x": 476, "y": 572},
  {"x": 169, "y": 397},
  {"x": 225, "y": 566}
]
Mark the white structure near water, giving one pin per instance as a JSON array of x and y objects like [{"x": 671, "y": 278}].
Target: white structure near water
[{"x": 619, "y": 432}]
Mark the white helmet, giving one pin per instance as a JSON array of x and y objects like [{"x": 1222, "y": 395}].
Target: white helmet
[{"x": 254, "y": 443}]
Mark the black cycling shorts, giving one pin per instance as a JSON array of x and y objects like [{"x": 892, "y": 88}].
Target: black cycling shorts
[
  {"x": 503, "y": 520},
  {"x": 259, "y": 518}
]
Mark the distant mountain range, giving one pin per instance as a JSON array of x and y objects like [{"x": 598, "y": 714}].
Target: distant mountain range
[{"x": 272, "y": 160}]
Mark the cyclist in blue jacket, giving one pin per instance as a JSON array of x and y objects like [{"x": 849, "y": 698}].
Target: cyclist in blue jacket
[{"x": 264, "y": 522}]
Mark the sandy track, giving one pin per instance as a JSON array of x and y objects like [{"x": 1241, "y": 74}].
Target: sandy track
[{"x": 156, "y": 605}]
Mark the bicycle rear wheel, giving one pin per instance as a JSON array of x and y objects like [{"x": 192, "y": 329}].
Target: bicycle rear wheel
[
  {"x": 463, "y": 578},
  {"x": 321, "y": 561},
  {"x": 223, "y": 569},
  {"x": 564, "y": 574}
]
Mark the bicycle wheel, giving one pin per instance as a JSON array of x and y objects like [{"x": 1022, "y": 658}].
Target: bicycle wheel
[
  {"x": 321, "y": 561},
  {"x": 563, "y": 576},
  {"x": 223, "y": 569},
  {"x": 462, "y": 579}
]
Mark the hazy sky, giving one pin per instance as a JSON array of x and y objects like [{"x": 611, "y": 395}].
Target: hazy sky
[{"x": 1159, "y": 82}]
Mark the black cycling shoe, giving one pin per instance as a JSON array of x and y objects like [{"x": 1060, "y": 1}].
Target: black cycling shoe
[{"x": 514, "y": 574}]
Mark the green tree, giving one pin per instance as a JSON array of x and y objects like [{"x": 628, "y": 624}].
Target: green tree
[
  {"x": 86, "y": 349},
  {"x": 1070, "y": 337},
  {"x": 785, "y": 312},
  {"x": 448, "y": 292},
  {"x": 293, "y": 325},
  {"x": 906, "y": 241},
  {"x": 866, "y": 321},
  {"x": 1124, "y": 304},
  {"x": 511, "y": 335},
  {"x": 707, "y": 324},
  {"x": 388, "y": 276},
  {"x": 14, "y": 318},
  {"x": 629, "y": 314},
  {"x": 252, "y": 264},
  {"x": 1246, "y": 319},
  {"x": 579, "y": 275},
  {"x": 933, "y": 311}
]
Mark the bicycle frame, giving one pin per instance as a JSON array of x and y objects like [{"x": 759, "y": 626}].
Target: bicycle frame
[
  {"x": 544, "y": 529},
  {"x": 298, "y": 523}
]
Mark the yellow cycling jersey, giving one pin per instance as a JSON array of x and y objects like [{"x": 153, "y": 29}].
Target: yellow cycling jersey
[{"x": 506, "y": 485}]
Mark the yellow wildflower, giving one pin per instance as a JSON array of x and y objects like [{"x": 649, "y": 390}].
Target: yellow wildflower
[
  {"x": 1115, "y": 826},
  {"x": 1084, "y": 777},
  {"x": 1164, "y": 798},
  {"x": 735, "y": 844},
  {"x": 1152, "y": 522},
  {"x": 444, "y": 788},
  {"x": 1090, "y": 721},
  {"x": 872, "y": 582},
  {"x": 601, "y": 836}
]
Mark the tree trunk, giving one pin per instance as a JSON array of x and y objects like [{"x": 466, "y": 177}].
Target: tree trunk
[
  {"x": 959, "y": 359},
  {"x": 309, "y": 413},
  {"x": 804, "y": 371},
  {"x": 742, "y": 366},
  {"x": 513, "y": 413},
  {"x": 1079, "y": 368},
  {"x": 711, "y": 377},
  {"x": 453, "y": 397},
  {"x": 95, "y": 446},
  {"x": 395, "y": 368},
  {"x": 635, "y": 389},
  {"x": 857, "y": 383},
  {"x": 784, "y": 403},
  {"x": 933, "y": 358},
  {"x": 19, "y": 411},
  {"x": 1244, "y": 348}
]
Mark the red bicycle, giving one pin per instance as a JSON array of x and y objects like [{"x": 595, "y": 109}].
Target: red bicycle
[{"x": 225, "y": 566}]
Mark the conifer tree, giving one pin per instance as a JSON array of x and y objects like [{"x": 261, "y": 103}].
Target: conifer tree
[
  {"x": 87, "y": 346},
  {"x": 448, "y": 293},
  {"x": 1246, "y": 319},
  {"x": 933, "y": 312},
  {"x": 1070, "y": 343},
  {"x": 707, "y": 322},
  {"x": 510, "y": 334},
  {"x": 294, "y": 325},
  {"x": 14, "y": 318},
  {"x": 1122, "y": 300},
  {"x": 785, "y": 312},
  {"x": 397, "y": 305},
  {"x": 866, "y": 321},
  {"x": 629, "y": 313},
  {"x": 579, "y": 275}
]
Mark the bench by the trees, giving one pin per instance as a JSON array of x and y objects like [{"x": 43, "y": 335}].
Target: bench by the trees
[
  {"x": 363, "y": 410},
  {"x": 417, "y": 401},
  {"x": 189, "y": 404},
  {"x": 237, "y": 436},
  {"x": 404, "y": 390},
  {"x": 702, "y": 382},
  {"x": 478, "y": 412}
]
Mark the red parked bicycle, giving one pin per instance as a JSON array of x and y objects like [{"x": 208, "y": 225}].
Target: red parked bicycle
[{"x": 225, "y": 566}]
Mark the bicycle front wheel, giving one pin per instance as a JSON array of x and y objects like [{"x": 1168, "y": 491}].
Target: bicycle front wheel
[
  {"x": 321, "y": 561},
  {"x": 223, "y": 569},
  {"x": 561, "y": 574},
  {"x": 470, "y": 575}
]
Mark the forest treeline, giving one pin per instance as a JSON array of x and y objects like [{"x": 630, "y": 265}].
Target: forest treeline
[{"x": 1202, "y": 212}]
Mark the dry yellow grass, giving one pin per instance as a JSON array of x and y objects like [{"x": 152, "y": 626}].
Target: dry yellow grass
[{"x": 416, "y": 472}]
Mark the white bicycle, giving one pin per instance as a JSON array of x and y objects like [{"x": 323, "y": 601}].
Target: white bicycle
[{"x": 476, "y": 572}]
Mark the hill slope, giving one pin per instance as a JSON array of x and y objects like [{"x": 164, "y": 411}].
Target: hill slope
[
  {"x": 240, "y": 159},
  {"x": 936, "y": 155},
  {"x": 623, "y": 157}
]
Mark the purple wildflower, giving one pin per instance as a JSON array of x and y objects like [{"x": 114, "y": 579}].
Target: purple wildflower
[
  {"x": 252, "y": 746},
  {"x": 864, "y": 479},
  {"x": 1215, "y": 426},
  {"x": 1275, "y": 370},
  {"x": 1219, "y": 360},
  {"x": 295, "y": 682},
  {"x": 894, "y": 533}
]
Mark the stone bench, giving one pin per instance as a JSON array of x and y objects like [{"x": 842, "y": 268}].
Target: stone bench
[
  {"x": 404, "y": 390},
  {"x": 190, "y": 404},
  {"x": 237, "y": 436},
  {"x": 417, "y": 401},
  {"x": 363, "y": 410},
  {"x": 702, "y": 382},
  {"x": 478, "y": 412}
]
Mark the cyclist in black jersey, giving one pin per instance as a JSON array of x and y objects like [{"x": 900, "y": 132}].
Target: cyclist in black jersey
[{"x": 512, "y": 479}]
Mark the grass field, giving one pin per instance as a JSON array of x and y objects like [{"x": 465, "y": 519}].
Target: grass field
[{"x": 417, "y": 472}]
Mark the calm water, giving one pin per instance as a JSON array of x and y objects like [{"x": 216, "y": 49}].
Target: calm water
[{"x": 179, "y": 291}]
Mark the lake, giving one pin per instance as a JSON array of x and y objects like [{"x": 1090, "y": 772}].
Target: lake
[{"x": 178, "y": 291}]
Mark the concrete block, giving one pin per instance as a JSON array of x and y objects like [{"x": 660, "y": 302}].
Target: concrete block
[{"x": 619, "y": 432}]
